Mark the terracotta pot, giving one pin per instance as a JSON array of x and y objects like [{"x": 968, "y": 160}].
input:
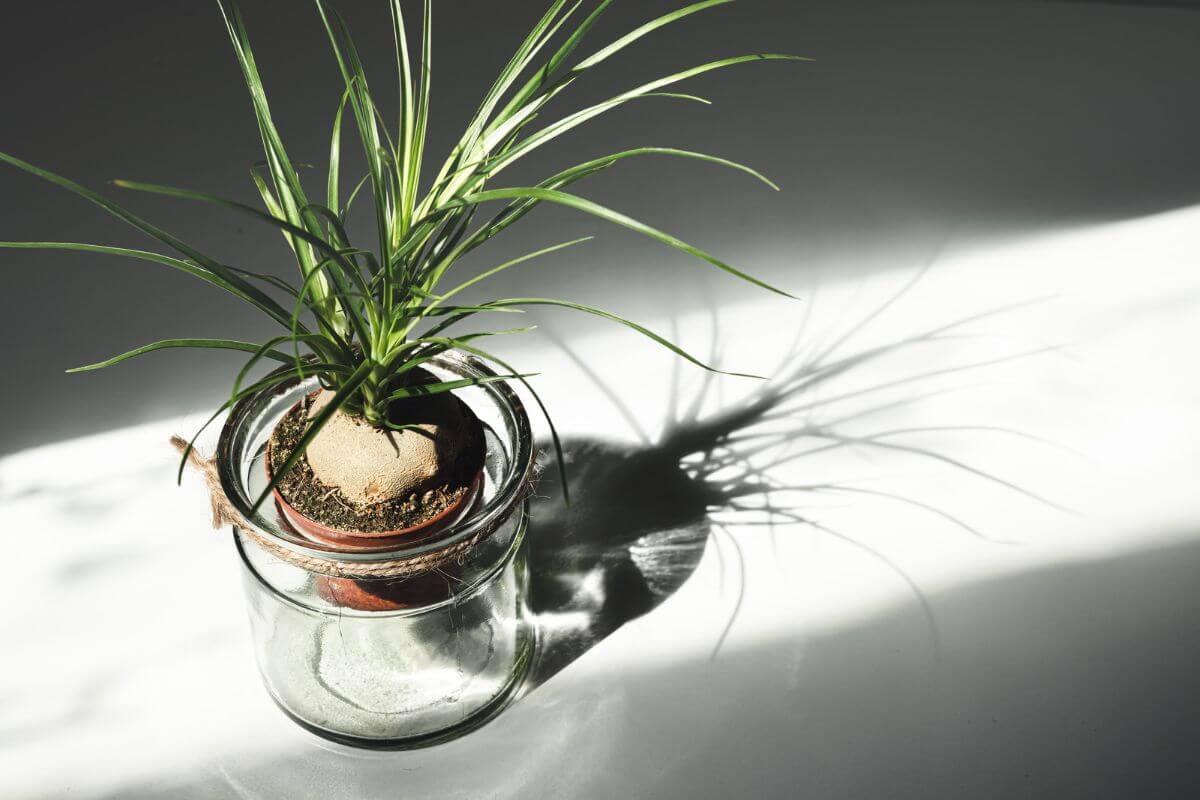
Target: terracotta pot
[
  {"x": 385, "y": 595},
  {"x": 373, "y": 540},
  {"x": 357, "y": 540},
  {"x": 376, "y": 595}
]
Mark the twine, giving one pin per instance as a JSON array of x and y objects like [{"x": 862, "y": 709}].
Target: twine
[{"x": 224, "y": 513}]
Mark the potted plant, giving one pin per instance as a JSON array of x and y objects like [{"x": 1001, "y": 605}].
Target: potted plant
[{"x": 376, "y": 480}]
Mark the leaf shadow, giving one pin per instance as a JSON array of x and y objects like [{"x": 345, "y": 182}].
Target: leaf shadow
[{"x": 643, "y": 514}]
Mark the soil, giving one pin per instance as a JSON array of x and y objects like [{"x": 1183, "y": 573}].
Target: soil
[{"x": 330, "y": 507}]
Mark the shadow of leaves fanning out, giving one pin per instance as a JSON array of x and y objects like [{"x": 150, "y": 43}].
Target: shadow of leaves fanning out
[{"x": 642, "y": 514}]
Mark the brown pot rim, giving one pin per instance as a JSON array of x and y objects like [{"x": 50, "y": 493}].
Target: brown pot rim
[{"x": 372, "y": 539}]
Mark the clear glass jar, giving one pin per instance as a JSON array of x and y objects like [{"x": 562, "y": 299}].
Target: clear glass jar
[{"x": 389, "y": 662}]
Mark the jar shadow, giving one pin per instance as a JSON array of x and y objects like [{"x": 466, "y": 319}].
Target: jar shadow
[{"x": 635, "y": 531}]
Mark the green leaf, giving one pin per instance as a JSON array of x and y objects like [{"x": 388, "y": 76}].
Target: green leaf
[
  {"x": 335, "y": 256},
  {"x": 270, "y": 280},
  {"x": 597, "y": 210},
  {"x": 514, "y": 212},
  {"x": 265, "y": 383},
  {"x": 554, "y": 437},
  {"x": 290, "y": 196},
  {"x": 542, "y": 301},
  {"x": 415, "y": 352},
  {"x": 344, "y": 392},
  {"x": 578, "y": 118},
  {"x": 404, "y": 75},
  {"x": 494, "y": 270},
  {"x": 236, "y": 288},
  {"x": 542, "y": 76},
  {"x": 423, "y": 389},
  {"x": 415, "y": 151},
  {"x": 335, "y": 156},
  {"x": 471, "y": 147},
  {"x": 534, "y": 41},
  {"x": 265, "y": 351},
  {"x": 355, "y": 80},
  {"x": 244, "y": 289},
  {"x": 211, "y": 344},
  {"x": 589, "y": 167},
  {"x": 445, "y": 310},
  {"x": 639, "y": 32},
  {"x": 350, "y": 200},
  {"x": 341, "y": 239}
]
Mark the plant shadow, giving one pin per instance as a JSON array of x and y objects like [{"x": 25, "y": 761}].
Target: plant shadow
[
  {"x": 642, "y": 514},
  {"x": 635, "y": 531}
]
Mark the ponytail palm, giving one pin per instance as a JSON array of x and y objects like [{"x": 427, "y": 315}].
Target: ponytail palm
[{"x": 365, "y": 318}]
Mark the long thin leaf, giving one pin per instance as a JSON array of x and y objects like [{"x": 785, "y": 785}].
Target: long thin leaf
[
  {"x": 265, "y": 383},
  {"x": 639, "y": 32},
  {"x": 335, "y": 156},
  {"x": 560, "y": 459},
  {"x": 495, "y": 270},
  {"x": 346, "y": 267},
  {"x": 597, "y": 210},
  {"x": 265, "y": 350},
  {"x": 589, "y": 167},
  {"x": 244, "y": 288},
  {"x": 344, "y": 392},
  {"x": 423, "y": 389},
  {"x": 165, "y": 344},
  {"x": 515, "y": 211},
  {"x": 424, "y": 349},
  {"x": 542, "y": 77},
  {"x": 470, "y": 149},
  {"x": 415, "y": 152},
  {"x": 290, "y": 195},
  {"x": 674, "y": 348},
  {"x": 404, "y": 76},
  {"x": 257, "y": 299},
  {"x": 578, "y": 118},
  {"x": 355, "y": 80}
]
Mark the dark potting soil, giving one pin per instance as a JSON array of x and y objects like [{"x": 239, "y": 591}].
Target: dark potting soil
[{"x": 330, "y": 507}]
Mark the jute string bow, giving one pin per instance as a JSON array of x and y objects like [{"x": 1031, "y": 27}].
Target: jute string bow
[{"x": 224, "y": 513}]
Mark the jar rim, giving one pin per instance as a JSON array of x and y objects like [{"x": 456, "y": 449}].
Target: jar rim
[
  {"x": 461, "y": 595},
  {"x": 510, "y": 490}
]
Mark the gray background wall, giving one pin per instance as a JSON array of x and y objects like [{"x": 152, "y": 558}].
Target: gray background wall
[{"x": 919, "y": 122}]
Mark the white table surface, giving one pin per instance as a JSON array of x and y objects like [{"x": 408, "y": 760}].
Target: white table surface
[{"x": 860, "y": 647}]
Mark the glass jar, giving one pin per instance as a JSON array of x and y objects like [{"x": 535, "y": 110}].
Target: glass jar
[{"x": 407, "y": 659}]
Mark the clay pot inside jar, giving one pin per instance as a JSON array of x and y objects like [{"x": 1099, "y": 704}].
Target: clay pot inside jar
[{"x": 358, "y": 487}]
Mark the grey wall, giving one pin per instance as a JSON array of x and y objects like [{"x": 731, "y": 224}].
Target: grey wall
[{"x": 919, "y": 122}]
